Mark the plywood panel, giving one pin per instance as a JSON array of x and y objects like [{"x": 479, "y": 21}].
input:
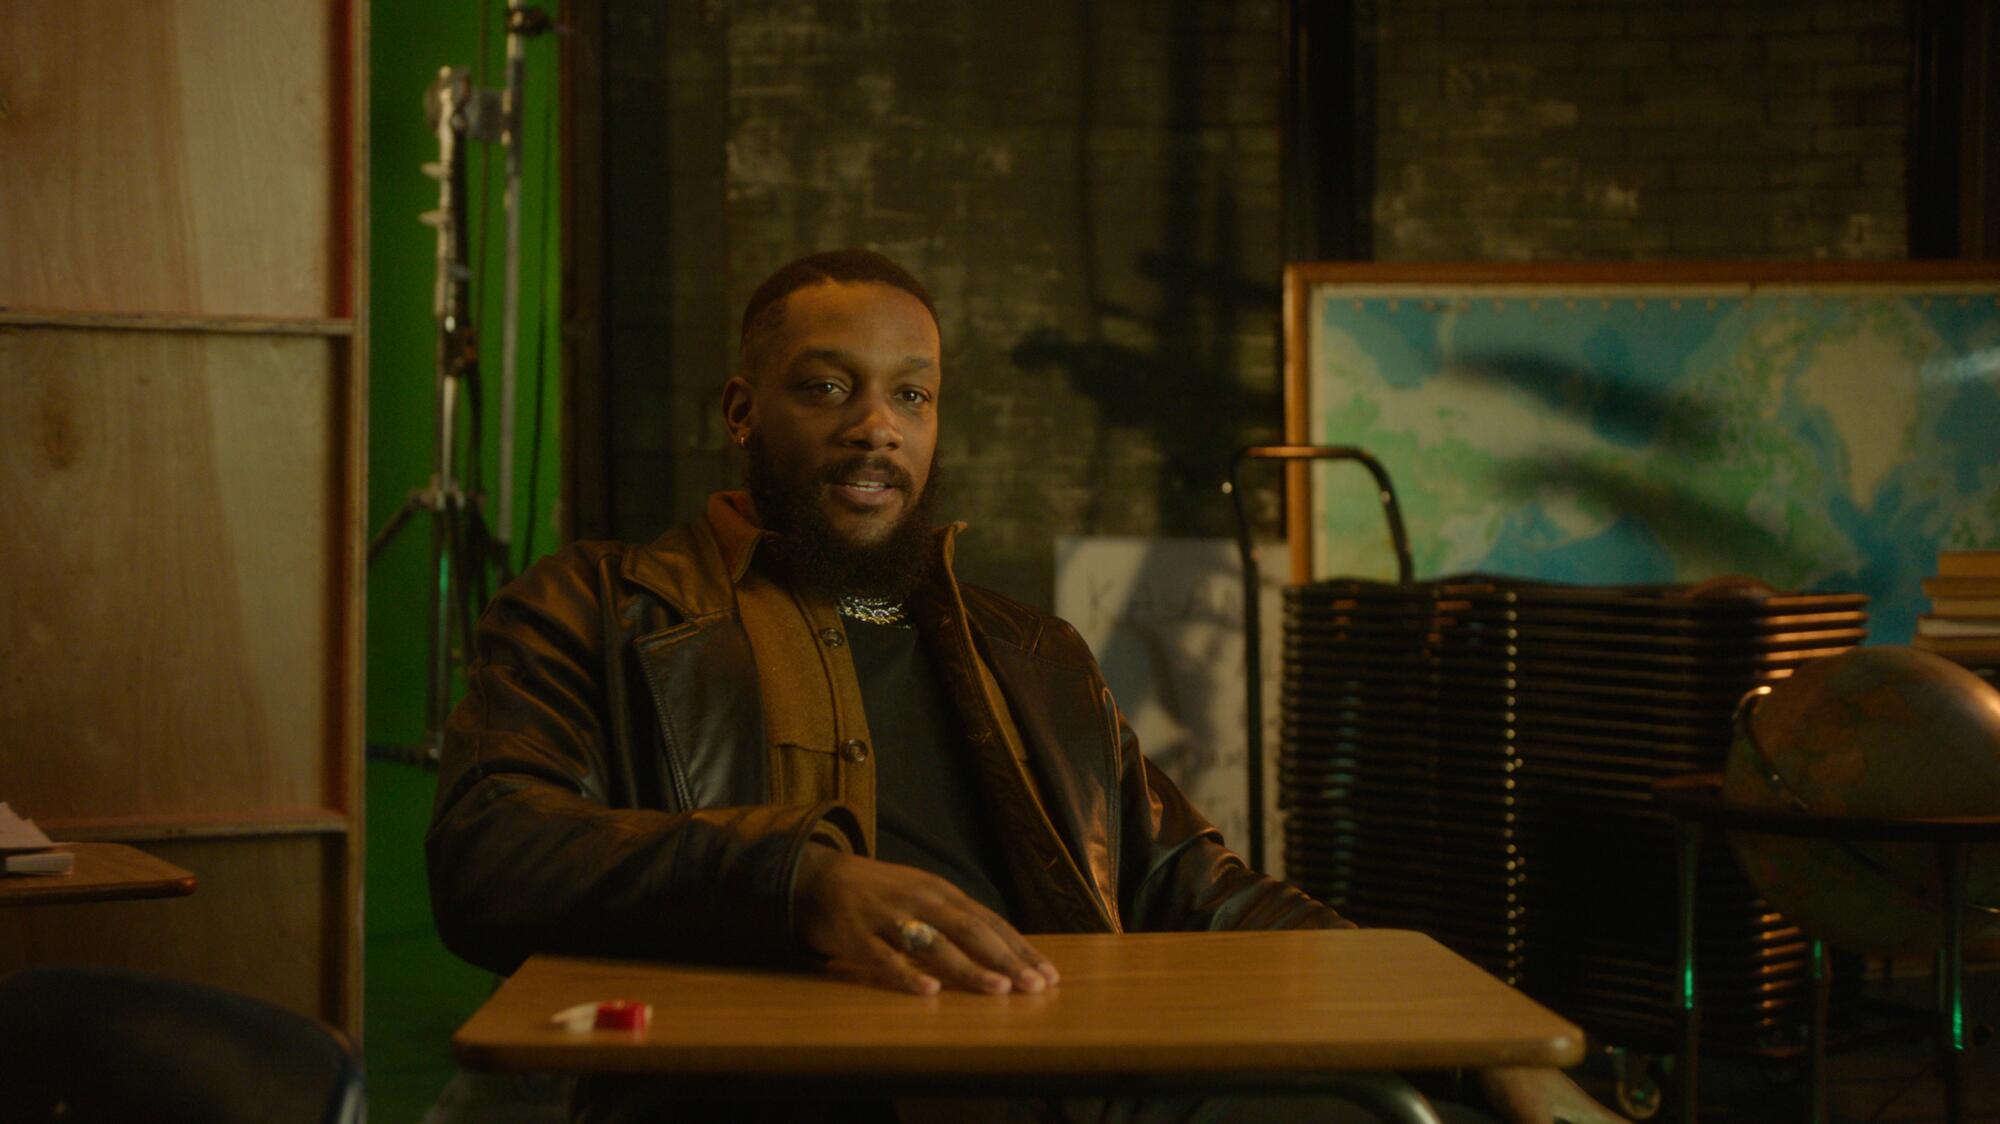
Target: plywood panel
[
  {"x": 261, "y": 921},
  {"x": 171, "y": 156},
  {"x": 174, "y": 639}
]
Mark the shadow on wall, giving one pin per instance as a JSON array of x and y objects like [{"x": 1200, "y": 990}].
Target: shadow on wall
[
  {"x": 1706, "y": 530},
  {"x": 1628, "y": 412},
  {"x": 1185, "y": 389}
]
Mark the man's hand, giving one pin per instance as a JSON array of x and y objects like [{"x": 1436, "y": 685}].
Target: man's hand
[
  {"x": 1534, "y": 1095},
  {"x": 849, "y": 908}
]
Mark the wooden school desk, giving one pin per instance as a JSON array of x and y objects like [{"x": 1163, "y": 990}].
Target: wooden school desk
[
  {"x": 105, "y": 872},
  {"x": 1134, "y": 1014}
]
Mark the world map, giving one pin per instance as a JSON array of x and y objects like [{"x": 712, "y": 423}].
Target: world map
[{"x": 1818, "y": 438}]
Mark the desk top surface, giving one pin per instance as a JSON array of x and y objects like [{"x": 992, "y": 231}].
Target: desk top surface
[
  {"x": 104, "y": 872},
  {"x": 1141, "y": 1004}
]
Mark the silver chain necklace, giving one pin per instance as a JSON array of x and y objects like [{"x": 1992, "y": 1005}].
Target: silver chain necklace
[{"x": 871, "y": 610}]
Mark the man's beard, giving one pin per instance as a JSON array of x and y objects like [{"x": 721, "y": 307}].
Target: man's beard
[{"x": 816, "y": 556}]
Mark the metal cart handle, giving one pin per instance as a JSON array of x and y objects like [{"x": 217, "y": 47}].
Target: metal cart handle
[{"x": 1253, "y": 670}]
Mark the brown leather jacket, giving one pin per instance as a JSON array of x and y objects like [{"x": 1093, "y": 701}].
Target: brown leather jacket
[{"x": 651, "y": 734}]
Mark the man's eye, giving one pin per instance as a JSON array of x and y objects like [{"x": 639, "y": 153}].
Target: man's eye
[
  {"x": 825, "y": 388},
  {"x": 915, "y": 396}
]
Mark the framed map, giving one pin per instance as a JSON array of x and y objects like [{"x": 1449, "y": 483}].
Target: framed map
[{"x": 1818, "y": 425}]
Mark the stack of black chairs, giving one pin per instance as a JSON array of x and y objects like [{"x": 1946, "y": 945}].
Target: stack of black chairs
[{"x": 1473, "y": 757}]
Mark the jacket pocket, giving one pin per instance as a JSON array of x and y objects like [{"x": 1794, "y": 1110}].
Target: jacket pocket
[{"x": 804, "y": 774}]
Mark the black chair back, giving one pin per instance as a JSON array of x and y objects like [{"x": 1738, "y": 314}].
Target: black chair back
[{"x": 83, "y": 1045}]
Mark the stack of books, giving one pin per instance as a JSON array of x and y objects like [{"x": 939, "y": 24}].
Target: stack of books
[{"x": 1964, "y": 622}]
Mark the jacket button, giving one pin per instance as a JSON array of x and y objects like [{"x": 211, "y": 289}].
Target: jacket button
[
  {"x": 831, "y": 637},
  {"x": 854, "y": 752}
]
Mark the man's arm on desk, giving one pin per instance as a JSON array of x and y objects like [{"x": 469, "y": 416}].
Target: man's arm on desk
[
  {"x": 849, "y": 905},
  {"x": 524, "y": 854}
]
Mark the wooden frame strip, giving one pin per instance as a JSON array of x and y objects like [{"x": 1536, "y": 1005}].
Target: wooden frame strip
[
  {"x": 176, "y": 322},
  {"x": 341, "y": 981},
  {"x": 154, "y": 828},
  {"x": 586, "y": 425},
  {"x": 1637, "y": 274},
  {"x": 1298, "y": 478}
]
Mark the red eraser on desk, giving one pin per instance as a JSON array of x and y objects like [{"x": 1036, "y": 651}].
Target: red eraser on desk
[{"x": 623, "y": 1014}]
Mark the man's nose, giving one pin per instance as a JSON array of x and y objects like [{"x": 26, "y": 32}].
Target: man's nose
[{"x": 873, "y": 426}]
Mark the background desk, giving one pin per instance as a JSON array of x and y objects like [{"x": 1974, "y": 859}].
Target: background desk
[
  {"x": 105, "y": 872},
  {"x": 1141, "y": 1011}
]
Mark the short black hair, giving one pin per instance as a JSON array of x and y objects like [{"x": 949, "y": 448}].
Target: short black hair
[{"x": 767, "y": 305}]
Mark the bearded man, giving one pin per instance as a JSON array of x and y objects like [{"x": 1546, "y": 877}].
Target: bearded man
[{"x": 786, "y": 733}]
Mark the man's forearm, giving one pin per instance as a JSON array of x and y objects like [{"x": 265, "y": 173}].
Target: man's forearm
[{"x": 518, "y": 867}]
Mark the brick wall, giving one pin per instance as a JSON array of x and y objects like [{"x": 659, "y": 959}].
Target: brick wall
[
  {"x": 1091, "y": 190},
  {"x": 1519, "y": 130}
]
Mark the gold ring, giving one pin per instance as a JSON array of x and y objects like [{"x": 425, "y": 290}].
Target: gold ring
[{"x": 914, "y": 936}]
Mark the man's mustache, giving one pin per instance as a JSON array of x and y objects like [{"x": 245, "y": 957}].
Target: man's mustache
[{"x": 880, "y": 468}]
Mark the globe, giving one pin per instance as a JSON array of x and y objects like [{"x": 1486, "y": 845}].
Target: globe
[{"x": 1879, "y": 732}]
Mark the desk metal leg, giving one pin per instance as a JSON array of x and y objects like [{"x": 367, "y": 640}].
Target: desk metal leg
[
  {"x": 1687, "y": 854},
  {"x": 1951, "y": 981},
  {"x": 1822, "y": 988},
  {"x": 1388, "y": 1096}
]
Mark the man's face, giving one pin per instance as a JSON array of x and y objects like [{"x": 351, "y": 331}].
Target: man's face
[{"x": 839, "y": 405}]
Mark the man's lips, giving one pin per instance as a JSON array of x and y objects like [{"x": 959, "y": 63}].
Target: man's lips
[
  {"x": 867, "y": 484},
  {"x": 865, "y": 493}
]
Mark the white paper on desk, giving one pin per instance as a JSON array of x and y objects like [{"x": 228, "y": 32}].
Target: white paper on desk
[
  {"x": 40, "y": 862},
  {"x": 18, "y": 834}
]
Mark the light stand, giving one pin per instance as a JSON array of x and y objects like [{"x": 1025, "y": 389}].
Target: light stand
[
  {"x": 466, "y": 552},
  {"x": 522, "y": 23}
]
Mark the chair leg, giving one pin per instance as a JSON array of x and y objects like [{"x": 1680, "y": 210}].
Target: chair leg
[
  {"x": 1687, "y": 837},
  {"x": 1951, "y": 1034},
  {"x": 1822, "y": 983}
]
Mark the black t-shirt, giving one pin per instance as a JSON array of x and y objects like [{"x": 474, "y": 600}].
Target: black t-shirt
[{"x": 927, "y": 808}]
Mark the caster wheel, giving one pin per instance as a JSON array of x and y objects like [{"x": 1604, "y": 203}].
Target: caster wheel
[{"x": 1640, "y": 1092}]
